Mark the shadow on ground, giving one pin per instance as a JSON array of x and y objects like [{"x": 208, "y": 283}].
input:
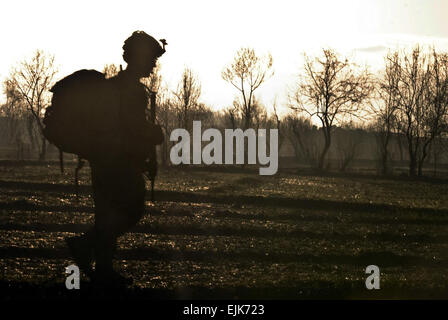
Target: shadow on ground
[{"x": 317, "y": 290}]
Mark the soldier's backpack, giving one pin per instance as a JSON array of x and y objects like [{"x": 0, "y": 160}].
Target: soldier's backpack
[
  {"x": 84, "y": 116},
  {"x": 75, "y": 122},
  {"x": 71, "y": 118}
]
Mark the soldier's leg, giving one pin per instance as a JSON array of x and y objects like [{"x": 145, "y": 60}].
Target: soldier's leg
[
  {"x": 127, "y": 209},
  {"x": 100, "y": 240},
  {"x": 120, "y": 203},
  {"x": 82, "y": 247},
  {"x": 103, "y": 235},
  {"x": 82, "y": 250},
  {"x": 132, "y": 201}
]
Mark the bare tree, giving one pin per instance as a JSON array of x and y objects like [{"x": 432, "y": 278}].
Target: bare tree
[
  {"x": 187, "y": 97},
  {"x": 414, "y": 71},
  {"x": 14, "y": 114},
  {"x": 154, "y": 81},
  {"x": 389, "y": 103},
  {"x": 436, "y": 113},
  {"x": 304, "y": 138},
  {"x": 331, "y": 90},
  {"x": 247, "y": 73},
  {"x": 166, "y": 118},
  {"x": 439, "y": 148},
  {"x": 348, "y": 141},
  {"x": 110, "y": 70},
  {"x": 232, "y": 115},
  {"x": 259, "y": 115},
  {"x": 12, "y": 110},
  {"x": 278, "y": 124},
  {"x": 423, "y": 90},
  {"x": 33, "y": 80}
]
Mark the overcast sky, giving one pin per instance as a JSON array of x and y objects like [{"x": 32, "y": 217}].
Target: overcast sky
[{"x": 204, "y": 35}]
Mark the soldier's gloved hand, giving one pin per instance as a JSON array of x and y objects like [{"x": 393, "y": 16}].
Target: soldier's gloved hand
[{"x": 156, "y": 134}]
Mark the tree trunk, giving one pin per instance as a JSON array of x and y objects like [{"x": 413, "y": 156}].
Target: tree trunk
[
  {"x": 421, "y": 161},
  {"x": 321, "y": 163},
  {"x": 247, "y": 125},
  {"x": 412, "y": 149},
  {"x": 400, "y": 147},
  {"x": 384, "y": 165},
  {"x": 412, "y": 166},
  {"x": 436, "y": 156},
  {"x": 420, "y": 168},
  {"x": 164, "y": 147},
  {"x": 43, "y": 151},
  {"x": 20, "y": 149},
  {"x": 385, "y": 156},
  {"x": 164, "y": 153}
]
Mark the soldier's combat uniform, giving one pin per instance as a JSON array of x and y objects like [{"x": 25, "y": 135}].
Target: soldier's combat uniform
[
  {"x": 117, "y": 180},
  {"x": 117, "y": 175}
]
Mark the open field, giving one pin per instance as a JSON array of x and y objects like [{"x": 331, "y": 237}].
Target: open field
[{"x": 232, "y": 234}]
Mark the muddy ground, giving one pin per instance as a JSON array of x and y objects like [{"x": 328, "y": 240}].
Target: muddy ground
[{"x": 228, "y": 233}]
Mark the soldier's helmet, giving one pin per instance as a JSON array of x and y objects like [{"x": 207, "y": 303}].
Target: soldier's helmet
[{"x": 141, "y": 44}]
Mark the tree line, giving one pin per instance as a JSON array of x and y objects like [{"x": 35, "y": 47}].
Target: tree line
[{"x": 334, "y": 104}]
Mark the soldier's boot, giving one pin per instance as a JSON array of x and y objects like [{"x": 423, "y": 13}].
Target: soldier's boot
[
  {"x": 82, "y": 251},
  {"x": 105, "y": 275}
]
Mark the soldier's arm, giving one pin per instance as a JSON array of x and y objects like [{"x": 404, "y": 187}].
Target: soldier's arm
[
  {"x": 153, "y": 133},
  {"x": 139, "y": 129}
]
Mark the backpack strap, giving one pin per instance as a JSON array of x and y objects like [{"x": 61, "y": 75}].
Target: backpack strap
[{"x": 80, "y": 165}]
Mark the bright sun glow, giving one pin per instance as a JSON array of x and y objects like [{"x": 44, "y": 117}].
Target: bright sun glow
[{"x": 204, "y": 35}]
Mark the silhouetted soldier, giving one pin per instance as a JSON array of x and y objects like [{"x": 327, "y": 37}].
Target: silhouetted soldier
[{"x": 117, "y": 172}]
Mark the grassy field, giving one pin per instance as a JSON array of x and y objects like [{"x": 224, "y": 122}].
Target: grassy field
[{"x": 232, "y": 234}]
